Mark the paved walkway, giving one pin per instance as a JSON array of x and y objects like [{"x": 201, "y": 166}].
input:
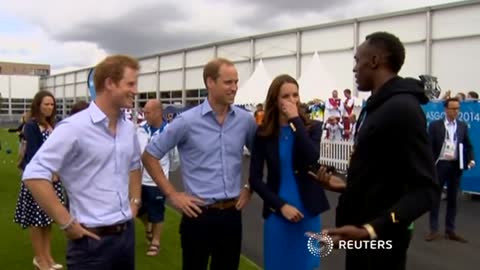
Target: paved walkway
[{"x": 438, "y": 255}]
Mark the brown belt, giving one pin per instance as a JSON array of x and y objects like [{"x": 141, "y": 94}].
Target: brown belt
[
  {"x": 109, "y": 230},
  {"x": 222, "y": 205}
]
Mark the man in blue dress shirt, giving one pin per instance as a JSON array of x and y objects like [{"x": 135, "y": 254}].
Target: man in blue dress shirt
[
  {"x": 210, "y": 139},
  {"x": 97, "y": 156}
]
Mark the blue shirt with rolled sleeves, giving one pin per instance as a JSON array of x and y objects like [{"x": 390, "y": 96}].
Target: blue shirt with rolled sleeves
[
  {"x": 93, "y": 165},
  {"x": 210, "y": 153}
]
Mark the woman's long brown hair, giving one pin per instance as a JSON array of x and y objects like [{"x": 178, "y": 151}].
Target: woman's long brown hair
[
  {"x": 271, "y": 125},
  {"x": 35, "y": 111}
]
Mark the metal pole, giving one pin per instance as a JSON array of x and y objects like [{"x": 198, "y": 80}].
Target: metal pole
[
  {"x": 428, "y": 43},
  {"x": 299, "y": 55}
]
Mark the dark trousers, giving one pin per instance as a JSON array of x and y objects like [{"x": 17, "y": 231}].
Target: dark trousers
[
  {"x": 381, "y": 259},
  {"x": 448, "y": 172},
  {"x": 111, "y": 252},
  {"x": 216, "y": 234}
]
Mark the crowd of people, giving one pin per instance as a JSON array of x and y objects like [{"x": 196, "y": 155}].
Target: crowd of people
[{"x": 112, "y": 170}]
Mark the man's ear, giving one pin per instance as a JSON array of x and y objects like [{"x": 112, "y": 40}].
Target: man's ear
[
  {"x": 375, "y": 61},
  {"x": 210, "y": 82},
  {"x": 108, "y": 83}
]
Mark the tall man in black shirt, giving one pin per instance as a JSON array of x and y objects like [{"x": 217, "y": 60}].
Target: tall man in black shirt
[{"x": 391, "y": 178}]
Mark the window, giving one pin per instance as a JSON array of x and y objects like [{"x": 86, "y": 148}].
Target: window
[
  {"x": 191, "y": 103},
  {"x": 152, "y": 95},
  {"x": 177, "y": 94},
  {"x": 192, "y": 93},
  {"x": 165, "y": 95}
]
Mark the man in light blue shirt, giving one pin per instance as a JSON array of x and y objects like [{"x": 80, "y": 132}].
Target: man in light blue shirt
[
  {"x": 97, "y": 156},
  {"x": 210, "y": 139}
]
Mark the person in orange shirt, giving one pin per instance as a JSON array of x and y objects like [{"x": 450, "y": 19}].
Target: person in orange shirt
[{"x": 259, "y": 114}]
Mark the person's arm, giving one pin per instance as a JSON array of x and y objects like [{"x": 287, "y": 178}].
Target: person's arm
[
  {"x": 246, "y": 192},
  {"x": 328, "y": 181},
  {"x": 432, "y": 136},
  {"x": 135, "y": 178},
  {"x": 257, "y": 162},
  {"x": 34, "y": 140},
  {"x": 159, "y": 146},
  {"x": 307, "y": 142},
  {"x": 39, "y": 172},
  {"x": 421, "y": 187},
  {"x": 252, "y": 130},
  {"x": 467, "y": 143},
  {"x": 328, "y": 105}
]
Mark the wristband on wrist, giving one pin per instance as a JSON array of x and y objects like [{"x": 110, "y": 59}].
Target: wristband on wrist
[
  {"x": 70, "y": 222},
  {"x": 371, "y": 231}
]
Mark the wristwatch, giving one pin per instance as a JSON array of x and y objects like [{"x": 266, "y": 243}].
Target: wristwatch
[{"x": 136, "y": 201}]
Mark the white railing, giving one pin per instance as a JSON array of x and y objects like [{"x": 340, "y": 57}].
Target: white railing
[{"x": 336, "y": 154}]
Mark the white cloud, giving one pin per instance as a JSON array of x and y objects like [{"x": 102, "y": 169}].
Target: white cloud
[
  {"x": 77, "y": 34},
  {"x": 36, "y": 47}
]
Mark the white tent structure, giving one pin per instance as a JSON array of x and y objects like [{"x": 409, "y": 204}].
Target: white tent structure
[
  {"x": 255, "y": 89},
  {"x": 316, "y": 81}
]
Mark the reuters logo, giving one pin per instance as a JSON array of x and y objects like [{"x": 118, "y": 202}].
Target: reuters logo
[{"x": 319, "y": 244}]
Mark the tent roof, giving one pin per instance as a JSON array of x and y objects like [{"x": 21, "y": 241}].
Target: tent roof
[{"x": 255, "y": 89}]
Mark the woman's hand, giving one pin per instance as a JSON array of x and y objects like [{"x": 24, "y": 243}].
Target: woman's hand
[
  {"x": 289, "y": 109},
  {"x": 291, "y": 213}
]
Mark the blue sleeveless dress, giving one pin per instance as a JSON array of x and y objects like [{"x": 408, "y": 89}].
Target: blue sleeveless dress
[{"x": 285, "y": 243}]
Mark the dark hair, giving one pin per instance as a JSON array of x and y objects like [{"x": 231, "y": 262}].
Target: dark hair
[
  {"x": 35, "y": 111},
  {"x": 270, "y": 126},
  {"x": 473, "y": 94},
  {"x": 211, "y": 69},
  {"x": 113, "y": 67},
  {"x": 79, "y": 106},
  {"x": 448, "y": 100},
  {"x": 462, "y": 95},
  {"x": 391, "y": 45},
  {"x": 348, "y": 91}
]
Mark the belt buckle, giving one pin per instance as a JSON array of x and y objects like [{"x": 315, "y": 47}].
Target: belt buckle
[
  {"x": 122, "y": 227},
  {"x": 222, "y": 205}
]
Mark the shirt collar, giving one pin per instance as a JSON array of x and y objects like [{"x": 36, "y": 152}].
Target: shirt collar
[
  {"x": 448, "y": 122},
  {"x": 98, "y": 116},
  {"x": 206, "y": 108}
]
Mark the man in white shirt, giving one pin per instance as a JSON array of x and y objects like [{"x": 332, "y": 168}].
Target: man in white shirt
[
  {"x": 153, "y": 208},
  {"x": 453, "y": 152},
  {"x": 333, "y": 106}
]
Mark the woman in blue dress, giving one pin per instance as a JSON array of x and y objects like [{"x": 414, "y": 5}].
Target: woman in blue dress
[{"x": 289, "y": 143}]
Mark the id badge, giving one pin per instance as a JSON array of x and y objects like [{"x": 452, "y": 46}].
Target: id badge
[{"x": 449, "y": 150}]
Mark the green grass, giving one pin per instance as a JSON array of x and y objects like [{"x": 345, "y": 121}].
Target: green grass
[{"x": 15, "y": 248}]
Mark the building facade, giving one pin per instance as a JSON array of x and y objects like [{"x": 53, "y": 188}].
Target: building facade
[
  {"x": 9, "y": 68},
  {"x": 442, "y": 41}
]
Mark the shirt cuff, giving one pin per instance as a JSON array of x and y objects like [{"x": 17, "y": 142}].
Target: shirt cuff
[{"x": 370, "y": 231}]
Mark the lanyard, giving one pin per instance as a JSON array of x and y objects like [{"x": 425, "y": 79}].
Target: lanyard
[{"x": 447, "y": 131}]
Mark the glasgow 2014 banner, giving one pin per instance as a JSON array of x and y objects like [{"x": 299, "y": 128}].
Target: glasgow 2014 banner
[{"x": 469, "y": 113}]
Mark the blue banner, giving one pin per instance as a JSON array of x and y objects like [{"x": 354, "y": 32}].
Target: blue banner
[
  {"x": 469, "y": 113},
  {"x": 91, "y": 84}
]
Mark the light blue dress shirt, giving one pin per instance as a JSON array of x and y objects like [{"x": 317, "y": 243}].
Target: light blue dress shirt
[
  {"x": 210, "y": 153},
  {"x": 93, "y": 165}
]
